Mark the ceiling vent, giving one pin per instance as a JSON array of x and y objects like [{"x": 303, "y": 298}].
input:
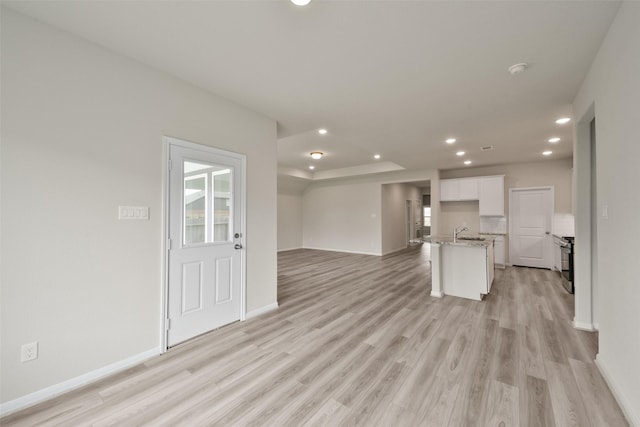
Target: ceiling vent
[{"x": 487, "y": 148}]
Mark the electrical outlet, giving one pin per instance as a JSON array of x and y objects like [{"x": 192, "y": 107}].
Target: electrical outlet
[{"x": 29, "y": 351}]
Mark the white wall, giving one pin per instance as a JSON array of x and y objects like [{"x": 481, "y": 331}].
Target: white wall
[
  {"x": 81, "y": 134},
  {"x": 612, "y": 90},
  {"x": 394, "y": 216},
  {"x": 289, "y": 221},
  {"x": 346, "y": 215},
  {"x": 343, "y": 217}
]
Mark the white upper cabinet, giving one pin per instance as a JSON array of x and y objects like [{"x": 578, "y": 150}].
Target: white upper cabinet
[
  {"x": 491, "y": 192},
  {"x": 458, "y": 189},
  {"x": 468, "y": 189},
  {"x": 449, "y": 190}
]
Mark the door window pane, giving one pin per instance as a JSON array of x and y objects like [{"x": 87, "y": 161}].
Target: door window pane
[
  {"x": 208, "y": 203},
  {"x": 222, "y": 206},
  {"x": 195, "y": 209}
]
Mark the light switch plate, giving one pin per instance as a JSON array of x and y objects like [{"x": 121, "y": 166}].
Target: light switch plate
[{"x": 133, "y": 212}]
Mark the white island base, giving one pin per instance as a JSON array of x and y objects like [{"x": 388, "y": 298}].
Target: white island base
[{"x": 461, "y": 270}]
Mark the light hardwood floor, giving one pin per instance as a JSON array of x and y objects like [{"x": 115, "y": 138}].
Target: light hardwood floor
[{"x": 358, "y": 341}]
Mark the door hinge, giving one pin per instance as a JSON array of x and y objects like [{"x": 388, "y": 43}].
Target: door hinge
[
  {"x": 167, "y": 324},
  {"x": 169, "y": 244},
  {"x": 170, "y": 164}
]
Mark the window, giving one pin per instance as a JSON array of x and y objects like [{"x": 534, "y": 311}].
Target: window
[
  {"x": 207, "y": 203},
  {"x": 426, "y": 228}
]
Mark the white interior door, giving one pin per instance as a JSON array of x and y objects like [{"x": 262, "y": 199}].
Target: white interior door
[
  {"x": 530, "y": 216},
  {"x": 205, "y": 262}
]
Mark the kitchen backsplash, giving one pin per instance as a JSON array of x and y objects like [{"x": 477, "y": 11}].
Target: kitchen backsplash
[
  {"x": 493, "y": 224},
  {"x": 563, "y": 224}
]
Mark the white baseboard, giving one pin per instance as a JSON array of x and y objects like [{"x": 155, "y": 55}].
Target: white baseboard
[
  {"x": 395, "y": 250},
  {"x": 625, "y": 405},
  {"x": 290, "y": 249},
  {"x": 261, "y": 310},
  {"x": 437, "y": 294},
  {"x": 584, "y": 326},
  {"x": 34, "y": 398},
  {"x": 343, "y": 250}
]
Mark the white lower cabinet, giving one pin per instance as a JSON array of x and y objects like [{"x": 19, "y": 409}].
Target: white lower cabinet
[
  {"x": 499, "y": 251},
  {"x": 465, "y": 271}
]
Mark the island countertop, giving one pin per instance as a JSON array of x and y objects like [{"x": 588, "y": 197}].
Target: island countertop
[{"x": 461, "y": 241}]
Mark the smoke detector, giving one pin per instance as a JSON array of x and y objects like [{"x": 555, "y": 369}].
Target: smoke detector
[{"x": 518, "y": 68}]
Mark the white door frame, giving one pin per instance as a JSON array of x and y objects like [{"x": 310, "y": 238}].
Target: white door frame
[
  {"x": 553, "y": 209},
  {"x": 167, "y": 142}
]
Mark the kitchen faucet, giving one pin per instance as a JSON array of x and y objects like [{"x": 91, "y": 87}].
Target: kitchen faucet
[{"x": 458, "y": 230}]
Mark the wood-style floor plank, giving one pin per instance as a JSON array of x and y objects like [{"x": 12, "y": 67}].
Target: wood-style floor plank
[{"x": 358, "y": 340}]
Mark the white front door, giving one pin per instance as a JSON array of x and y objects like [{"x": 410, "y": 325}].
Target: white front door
[
  {"x": 205, "y": 271},
  {"x": 530, "y": 215}
]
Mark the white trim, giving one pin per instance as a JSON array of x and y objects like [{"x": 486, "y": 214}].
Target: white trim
[
  {"x": 626, "y": 406},
  {"x": 395, "y": 250},
  {"x": 290, "y": 249},
  {"x": 164, "y": 288},
  {"x": 437, "y": 294},
  {"x": 344, "y": 251},
  {"x": 168, "y": 141},
  {"x": 584, "y": 326},
  {"x": 74, "y": 383},
  {"x": 262, "y": 310}
]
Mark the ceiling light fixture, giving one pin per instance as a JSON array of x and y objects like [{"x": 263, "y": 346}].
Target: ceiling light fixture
[
  {"x": 301, "y": 2},
  {"x": 312, "y": 167},
  {"x": 467, "y": 162},
  {"x": 563, "y": 120},
  {"x": 518, "y": 68},
  {"x": 376, "y": 156},
  {"x": 547, "y": 153},
  {"x": 322, "y": 131},
  {"x": 460, "y": 153},
  {"x": 315, "y": 155},
  {"x": 450, "y": 140},
  {"x": 554, "y": 140}
]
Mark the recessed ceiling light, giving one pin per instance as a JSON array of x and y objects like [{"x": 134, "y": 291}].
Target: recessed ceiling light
[
  {"x": 518, "y": 68},
  {"x": 460, "y": 153},
  {"x": 312, "y": 167},
  {"x": 547, "y": 153},
  {"x": 554, "y": 140},
  {"x": 450, "y": 140},
  {"x": 376, "y": 156},
  {"x": 316, "y": 155},
  {"x": 563, "y": 120},
  {"x": 301, "y": 2},
  {"x": 467, "y": 162},
  {"x": 322, "y": 131}
]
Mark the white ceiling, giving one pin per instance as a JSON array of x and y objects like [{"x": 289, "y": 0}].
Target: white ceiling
[{"x": 390, "y": 77}]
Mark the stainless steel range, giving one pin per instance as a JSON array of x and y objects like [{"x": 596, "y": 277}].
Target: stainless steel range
[{"x": 567, "y": 245}]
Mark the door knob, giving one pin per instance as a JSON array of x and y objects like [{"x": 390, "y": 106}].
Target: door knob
[{"x": 237, "y": 246}]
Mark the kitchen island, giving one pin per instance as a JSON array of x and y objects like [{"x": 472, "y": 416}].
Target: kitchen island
[{"x": 462, "y": 267}]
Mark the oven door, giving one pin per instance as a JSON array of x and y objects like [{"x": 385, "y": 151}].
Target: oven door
[{"x": 566, "y": 252}]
